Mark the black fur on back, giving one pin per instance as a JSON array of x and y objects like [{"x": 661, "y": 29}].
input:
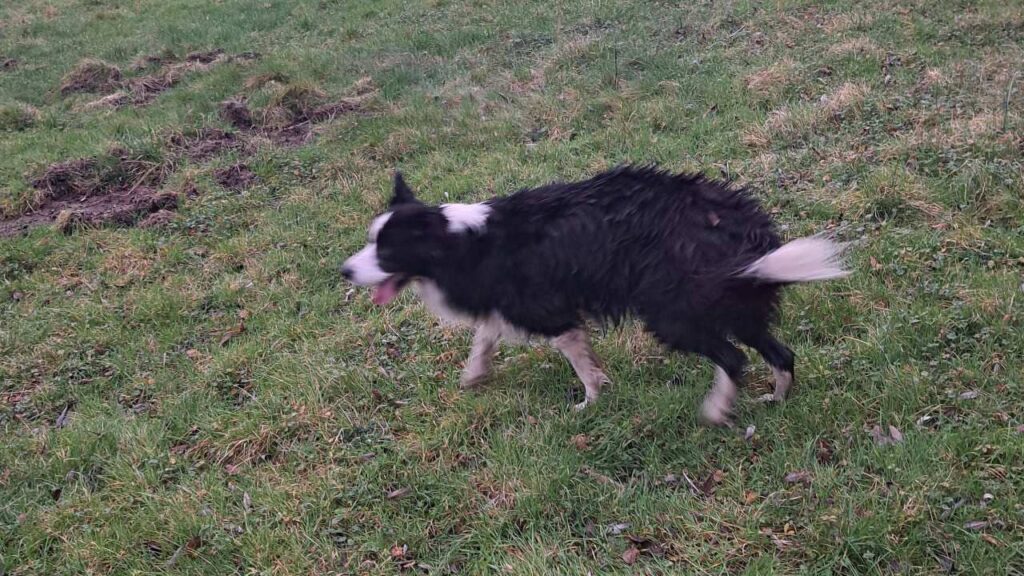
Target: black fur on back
[
  {"x": 631, "y": 241},
  {"x": 636, "y": 240}
]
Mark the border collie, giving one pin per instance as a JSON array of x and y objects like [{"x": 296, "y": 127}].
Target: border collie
[{"x": 699, "y": 261}]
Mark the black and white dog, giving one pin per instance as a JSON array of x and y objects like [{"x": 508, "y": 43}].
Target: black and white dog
[{"x": 698, "y": 261}]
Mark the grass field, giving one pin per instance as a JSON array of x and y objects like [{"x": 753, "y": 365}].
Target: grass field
[{"x": 204, "y": 395}]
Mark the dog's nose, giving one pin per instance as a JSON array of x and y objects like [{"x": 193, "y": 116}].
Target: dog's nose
[{"x": 346, "y": 272}]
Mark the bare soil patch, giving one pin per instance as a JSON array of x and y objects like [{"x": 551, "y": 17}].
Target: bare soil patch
[
  {"x": 119, "y": 91},
  {"x": 236, "y": 177},
  {"x": 116, "y": 189}
]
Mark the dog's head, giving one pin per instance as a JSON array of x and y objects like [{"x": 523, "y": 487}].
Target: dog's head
[{"x": 409, "y": 241}]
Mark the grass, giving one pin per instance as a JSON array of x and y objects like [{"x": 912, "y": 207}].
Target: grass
[{"x": 208, "y": 397}]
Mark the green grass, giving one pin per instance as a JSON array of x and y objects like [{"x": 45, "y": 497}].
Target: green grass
[{"x": 275, "y": 452}]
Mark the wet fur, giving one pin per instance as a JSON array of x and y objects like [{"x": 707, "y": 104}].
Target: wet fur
[{"x": 670, "y": 249}]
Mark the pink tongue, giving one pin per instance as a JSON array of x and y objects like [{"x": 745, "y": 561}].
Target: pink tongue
[{"x": 385, "y": 292}]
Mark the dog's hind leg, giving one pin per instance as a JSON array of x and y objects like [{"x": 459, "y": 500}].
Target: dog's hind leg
[
  {"x": 779, "y": 357},
  {"x": 729, "y": 362},
  {"x": 481, "y": 356},
  {"x": 575, "y": 346}
]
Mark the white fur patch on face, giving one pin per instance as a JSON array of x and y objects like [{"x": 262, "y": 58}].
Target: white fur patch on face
[
  {"x": 376, "y": 226},
  {"x": 365, "y": 267},
  {"x": 462, "y": 217}
]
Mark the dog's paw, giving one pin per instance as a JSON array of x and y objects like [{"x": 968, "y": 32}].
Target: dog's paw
[
  {"x": 583, "y": 405},
  {"x": 770, "y": 399},
  {"x": 716, "y": 411},
  {"x": 472, "y": 382}
]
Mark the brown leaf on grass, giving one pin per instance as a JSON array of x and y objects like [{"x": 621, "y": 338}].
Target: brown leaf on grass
[
  {"x": 992, "y": 540},
  {"x": 749, "y": 497},
  {"x": 894, "y": 436},
  {"x": 581, "y": 442},
  {"x": 711, "y": 482},
  {"x": 399, "y": 552},
  {"x": 399, "y": 493},
  {"x": 874, "y": 263},
  {"x": 825, "y": 451},
  {"x": 65, "y": 415},
  {"x": 798, "y": 477},
  {"x": 231, "y": 333},
  {"x": 631, "y": 555}
]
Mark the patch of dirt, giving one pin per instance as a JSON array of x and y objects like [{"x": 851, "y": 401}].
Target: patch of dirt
[
  {"x": 91, "y": 75},
  {"x": 158, "y": 219},
  {"x": 236, "y": 113},
  {"x": 289, "y": 119},
  {"x": 116, "y": 189},
  {"x": 237, "y": 177},
  {"x": 119, "y": 92},
  {"x": 204, "y": 144},
  {"x": 119, "y": 207}
]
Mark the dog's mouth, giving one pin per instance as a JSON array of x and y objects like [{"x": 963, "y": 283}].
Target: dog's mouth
[{"x": 388, "y": 290}]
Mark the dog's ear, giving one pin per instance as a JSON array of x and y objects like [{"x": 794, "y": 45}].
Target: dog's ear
[{"x": 402, "y": 193}]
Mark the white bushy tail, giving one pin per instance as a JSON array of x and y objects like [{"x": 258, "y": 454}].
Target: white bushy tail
[{"x": 807, "y": 259}]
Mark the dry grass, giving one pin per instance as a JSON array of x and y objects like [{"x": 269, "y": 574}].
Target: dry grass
[
  {"x": 845, "y": 21},
  {"x": 770, "y": 82},
  {"x": 860, "y": 47},
  {"x": 790, "y": 123},
  {"x": 846, "y": 99}
]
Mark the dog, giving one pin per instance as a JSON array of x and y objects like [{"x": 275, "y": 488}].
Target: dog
[{"x": 697, "y": 260}]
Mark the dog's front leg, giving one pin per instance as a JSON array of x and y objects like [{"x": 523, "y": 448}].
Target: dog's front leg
[
  {"x": 481, "y": 356},
  {"x": 575, "y": 345}
]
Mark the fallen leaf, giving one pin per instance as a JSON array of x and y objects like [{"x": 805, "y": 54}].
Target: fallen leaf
[
  {"x": 976, "y": 525},
  {"x": 874, "y": 263},
  {"x": 581, "y": 442},
  {"x": 749, "y": 433},
  {"x": 232, "y": 333},
  {"x": 630, "y": 555},
  {"x": 798, "y": 477},
  {"x": 246, "y": 501},
  {"x": 882, "y": 439},
  {"x": 824, "y": 454},
  {"x": 992, "y": 540},
  {"x": 969, "y": 395},
  {"x": 400, "y": 493},
  {"x": 65, "y": 415},
  {"x": 709, "y": 484},
  {"x": 399, "y": 552},
  {"x": 749, "y": 497}
]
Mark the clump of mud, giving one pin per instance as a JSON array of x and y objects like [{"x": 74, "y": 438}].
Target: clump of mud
[
  {"x": 117, "y": 188},
  {"x": 288, "y": 119},
  {"x": 91, "y": 75},
  {"x": 119, "y": 91},
  {"x": 203, "y": 144},
  {"x": 237, "y": 177}
]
